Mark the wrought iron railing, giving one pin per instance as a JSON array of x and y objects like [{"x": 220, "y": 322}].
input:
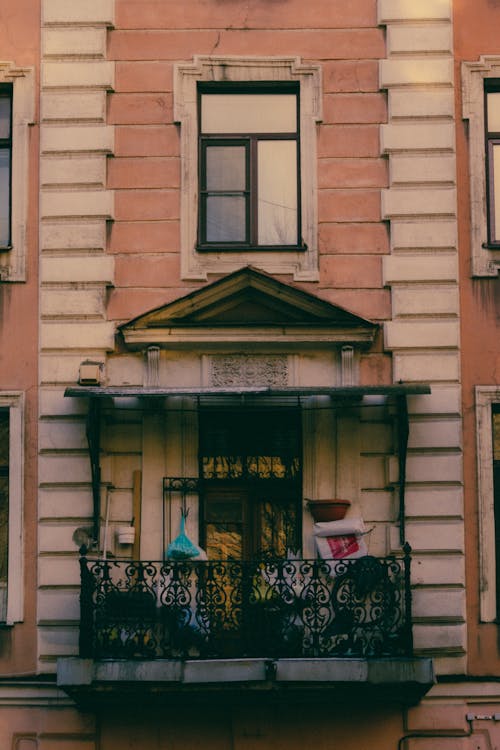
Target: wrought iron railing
[{"x": 228, "y": 609}]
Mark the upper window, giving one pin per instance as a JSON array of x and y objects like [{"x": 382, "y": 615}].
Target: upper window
[
  {"x": 5, "y": 162},
  {"x": 248, "y": 151},
  {"x": 17, "y": 102},
  {"x": 249, "y": 168},
  {"x": 4, "y": 510},
  {"x": 11, "y": 503},
  {"x": 481, "y": 107},
  {"x": 496, "y": 496},
  {"x": 492, "y": 138}
]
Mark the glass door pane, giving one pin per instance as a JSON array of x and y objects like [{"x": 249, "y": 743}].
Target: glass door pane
[
  {"x": 250, "y": 462},
  {"x": 224, "y": 524},
  {"x": 278, "y": 525}
]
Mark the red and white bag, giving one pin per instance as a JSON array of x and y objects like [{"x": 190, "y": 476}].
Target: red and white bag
[{"x": 338, "y": 540}]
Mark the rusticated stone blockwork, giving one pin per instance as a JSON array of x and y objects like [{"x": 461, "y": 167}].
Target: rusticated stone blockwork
[{"x": 421, "y": 270}]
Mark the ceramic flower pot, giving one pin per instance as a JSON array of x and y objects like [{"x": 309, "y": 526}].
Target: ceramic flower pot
[{"x": 328, "y": 509}]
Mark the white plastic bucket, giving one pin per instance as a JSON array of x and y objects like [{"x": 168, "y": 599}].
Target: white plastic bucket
[{"x": 125, "y": 534}]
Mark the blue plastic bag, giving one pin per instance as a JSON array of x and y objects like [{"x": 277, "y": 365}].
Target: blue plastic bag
[{"x": 182, "y": 548}]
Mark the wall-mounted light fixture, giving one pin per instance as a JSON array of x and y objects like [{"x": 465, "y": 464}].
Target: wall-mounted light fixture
[{"x": 90, "y": 373}]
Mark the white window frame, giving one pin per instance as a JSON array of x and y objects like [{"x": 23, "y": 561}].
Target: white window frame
[
  {"x": 196, "y": 265},
  {"x": 14, "y": 402},
  {"x": 486, "y": 397},
  {"x": 485, "y": 261},
  {"x": 13, "y": 259}
]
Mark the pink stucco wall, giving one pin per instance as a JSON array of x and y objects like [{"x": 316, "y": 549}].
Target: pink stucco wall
[
  {"x": 475, "y": 34},
  {"x": 19, "y": 44},
  {"x": 148, "y": 38}
]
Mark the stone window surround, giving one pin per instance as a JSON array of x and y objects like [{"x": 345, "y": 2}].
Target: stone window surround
[
  {"x": 13, "y": 259},
  {"x": 485, "y": 261},
  {"x": 14, "y": 402},
  {"x": 194, "y": 265},
  {"x": 486, "y": 396}
]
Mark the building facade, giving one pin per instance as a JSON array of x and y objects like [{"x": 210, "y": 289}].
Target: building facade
[{"x": 249, "y": 301}]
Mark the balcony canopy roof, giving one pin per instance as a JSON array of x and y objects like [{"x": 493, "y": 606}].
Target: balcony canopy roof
[{"x": 335, "y": 392}]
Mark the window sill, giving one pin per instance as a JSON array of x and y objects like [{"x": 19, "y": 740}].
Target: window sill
[{"x": 251, "y": 249}]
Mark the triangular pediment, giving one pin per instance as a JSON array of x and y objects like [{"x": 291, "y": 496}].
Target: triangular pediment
[{"x": 245, "y": 299}]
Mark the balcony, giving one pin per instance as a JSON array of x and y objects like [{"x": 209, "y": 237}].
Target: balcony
[
  {"x": 231, "y": 609},
  {"x": 303, "y": 625}
]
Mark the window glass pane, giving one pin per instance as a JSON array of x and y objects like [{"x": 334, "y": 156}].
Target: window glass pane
[
  {"x": 493, "y": 112},
  {"x": 225, "y": 168},
  {"x": 4, "y": 526},
  {"x": 225, "y": 218},
  {"x": 4, "y": 117},
  {"x": 4, "y": 439},
  {"x": 496, "y": 190},
  {"x": 248, "y": 113},
  {"x": 224, "y": 541},
  {"x": 224, "y": 510},
  {"x": 4, "y": 493},
  {"x": 278, "y": 527},
  {"x": 257, "y": 445},
  {"x": 277, "y": 192},
  {"x": 4, "y": 197},
  {"x": 496, "y": 436}
]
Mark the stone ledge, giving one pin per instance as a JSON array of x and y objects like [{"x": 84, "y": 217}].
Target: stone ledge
[
  {"x": 409, "y": 10},
  {"x": 88, "y": 682},
  {"x": 91, "y": 12}
]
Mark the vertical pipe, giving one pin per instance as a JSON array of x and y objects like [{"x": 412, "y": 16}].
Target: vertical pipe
[
  {"x": 136, "y": 513},
  {"x": 93, "y": 434},
  {"x": 86, "y": 636},
  {"x": 408, "y": 599},
  {"x": 403, "y": 432}
]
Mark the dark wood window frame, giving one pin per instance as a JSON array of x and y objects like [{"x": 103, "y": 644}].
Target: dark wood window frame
[
  {"x": 492, "y": 138},
  {"x": 250, "y": 491},
  {"x": 246, "y": 193},
  {"x": 250, "y": 143},
  {"x": 6, "y": 92},
  {"x": 495, "y": 414},
  {"x": 4, "y": 493}
]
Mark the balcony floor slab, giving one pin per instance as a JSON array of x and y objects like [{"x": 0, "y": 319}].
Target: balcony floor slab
[{"x": 396, "y": 680}]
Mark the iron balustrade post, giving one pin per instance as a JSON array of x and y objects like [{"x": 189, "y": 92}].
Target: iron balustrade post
[
  {"x": 408, "y": 599},
  {"x": 86, "y": 637},
  {"x": 92, "y": 430}
]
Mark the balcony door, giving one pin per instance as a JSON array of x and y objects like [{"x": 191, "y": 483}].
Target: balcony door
[{"x": 251, "y": 483}]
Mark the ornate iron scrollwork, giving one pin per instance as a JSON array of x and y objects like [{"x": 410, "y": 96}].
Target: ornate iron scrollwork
[{"x": 268, "y": 608}]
